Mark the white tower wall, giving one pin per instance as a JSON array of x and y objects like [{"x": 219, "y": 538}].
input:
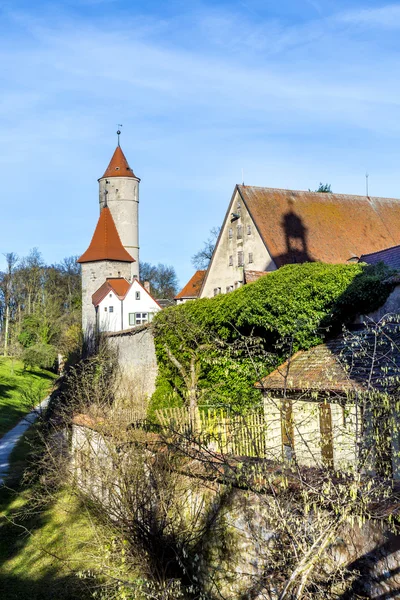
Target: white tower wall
[
  {"x": 122, "y": 198},
  {"x": 94, "y": 274}
]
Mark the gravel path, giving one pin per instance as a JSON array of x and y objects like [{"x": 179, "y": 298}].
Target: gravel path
[{"x": 8, "y": 441}]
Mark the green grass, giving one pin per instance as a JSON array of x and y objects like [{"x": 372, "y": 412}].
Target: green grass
[
  {"x": 20, "y": 390},
  {"x": 41, "y": 552}
]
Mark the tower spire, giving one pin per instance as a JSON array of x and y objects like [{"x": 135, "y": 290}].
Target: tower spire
[{"x": 119, "y": 131}]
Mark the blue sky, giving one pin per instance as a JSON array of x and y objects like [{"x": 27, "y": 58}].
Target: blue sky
[{"x": 293, "y": 92}]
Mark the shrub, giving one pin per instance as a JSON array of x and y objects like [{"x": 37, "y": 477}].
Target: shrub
[
  {"x": 241, "y": 336},
  {"x": 40, "y": 355}
]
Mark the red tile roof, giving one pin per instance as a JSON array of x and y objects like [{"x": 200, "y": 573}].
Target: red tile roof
[
  {"x": 118, "y": 166},
  {"x": 193, "y": 286},
  {"x": 301, "y": 226},
  {"x": 106, "y": 243},
  {"x": 118, "y": 285},
  {"x": 251, "y": 276}
]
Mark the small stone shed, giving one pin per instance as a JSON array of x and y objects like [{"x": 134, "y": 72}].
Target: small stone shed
[{"x": 331, "y": 396}]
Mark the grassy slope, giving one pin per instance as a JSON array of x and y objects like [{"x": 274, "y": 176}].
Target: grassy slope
[
  {"x": 20, "y": 390},
  {"x": 41, "y": 554}
]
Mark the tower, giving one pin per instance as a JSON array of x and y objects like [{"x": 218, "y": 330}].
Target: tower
[
  {"x": 119, "y": 190},
  {"x": 105, "y": 257}
]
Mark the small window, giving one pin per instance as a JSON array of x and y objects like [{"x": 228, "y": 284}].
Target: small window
[
  {"x": 110, "y": 295},
  {"x": 137, "y": 295},
  {"x": 231, "y": 261},
  {"x": 229, "y": 288},
  {"x": 217, "y": 291},
  {"x": 131, "y": 318},
  {"x": 105, "y": 309},
  {"x": 240, "y": 258},
  {"x": 250, "y": 257},
  {"x": 239, "y": 232},
  {"x": 111, "y": 309},
  {"x": 230, "y": 233},
  {"x": 248, "y": 229},
  {"x": 238, "y": 207},
  {"x": 140, "y": 318}
]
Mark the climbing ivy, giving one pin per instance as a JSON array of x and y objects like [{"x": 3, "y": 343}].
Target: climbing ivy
[{"x": 236, "y": 338}]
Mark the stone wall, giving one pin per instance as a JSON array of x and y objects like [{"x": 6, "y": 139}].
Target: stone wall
[
  {"x": 233, "y": 525},
  {"x": 137, "y": 359},
  {"x": 94, "y": 274}
]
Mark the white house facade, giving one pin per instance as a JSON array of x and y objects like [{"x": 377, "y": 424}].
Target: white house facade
[{"x": 120, "y": 305}]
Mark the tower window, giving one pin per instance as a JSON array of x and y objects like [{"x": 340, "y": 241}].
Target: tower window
[
  {"x": 240, "y": 259},
  {"x": 239, "y": 232},
  {"x": 137, "y": 295},
  {"x": 248, "y": 229},
  {"x": 230, "y": 233},
  {"x": 250, "y": 257},
  {"x": 231, "y": 261}
]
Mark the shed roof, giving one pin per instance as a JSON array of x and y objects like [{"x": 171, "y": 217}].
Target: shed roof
[
  {"x": 343, "y": 364},
  {"x": 118, "y": 166},
  {"x": 193, "y": 286},
  {"x": 299, "y": 226},
  {"x": 389, "y": 256},
  {"x": 106, "y": 243}
]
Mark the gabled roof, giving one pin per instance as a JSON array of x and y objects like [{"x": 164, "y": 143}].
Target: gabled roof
[
  {"x": 299, "y": 226},
  {"x": 348, "y": 363},
  {"x": 389, "y": 256},
  {"x": 118, "y": 166},
  {"x": 118, "y": 285},
  {"x": 193, "y": 286},
  {"x": 106, "y": 243}
]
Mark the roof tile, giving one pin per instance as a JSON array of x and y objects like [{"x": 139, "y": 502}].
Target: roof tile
[
  {"x": 193, "y": 286},
  {"x": 106, "y": 243},
  {"x": 118, "y": 166},
  {"x": 299, "y": 226}
]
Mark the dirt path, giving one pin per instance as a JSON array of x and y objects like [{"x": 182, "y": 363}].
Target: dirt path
[{"x": 8, "y": 441}]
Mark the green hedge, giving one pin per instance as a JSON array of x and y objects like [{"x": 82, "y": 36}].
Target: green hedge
[{"x": 240, "y": 336}]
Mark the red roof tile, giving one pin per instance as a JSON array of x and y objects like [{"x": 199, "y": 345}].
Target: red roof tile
[
  {"x": 301, "y": 226},
  {"x": 118, "y": 285},
  {"x": 106, "y": 243},
  {"x": 252, "y": 276},
  {"x": 193, "y": 287},
  {"x": 118, "y": 166}
]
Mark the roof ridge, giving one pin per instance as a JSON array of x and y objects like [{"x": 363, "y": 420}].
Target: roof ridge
[{"x": 320, "y": 194}]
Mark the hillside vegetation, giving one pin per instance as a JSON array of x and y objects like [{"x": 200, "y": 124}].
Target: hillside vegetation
[
  {"x": 219, "y": 347},
  {"x": 20, "y": 390}
]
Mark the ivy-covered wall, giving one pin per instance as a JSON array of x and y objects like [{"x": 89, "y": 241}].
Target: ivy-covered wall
[{"x": 220, "y": 346}]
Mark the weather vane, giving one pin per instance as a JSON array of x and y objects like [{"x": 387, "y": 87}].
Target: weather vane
[{"x": 119, "y": 131}]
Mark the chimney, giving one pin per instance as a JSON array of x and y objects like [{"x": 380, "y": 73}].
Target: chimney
[{"x": 146, "y": 286}]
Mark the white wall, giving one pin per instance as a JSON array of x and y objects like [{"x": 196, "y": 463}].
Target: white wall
[
  {"x": 132, "y": 305},
  {"x": 220, "y": 273},
  {"x": 109, "y": 313}
]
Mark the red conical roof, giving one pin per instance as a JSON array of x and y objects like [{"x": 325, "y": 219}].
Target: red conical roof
[
  {"x": 118, "y": 166},
  {"x": 106, "y": 243}
]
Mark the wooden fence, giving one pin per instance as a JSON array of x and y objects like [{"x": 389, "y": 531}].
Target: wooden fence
[{"x": 312, "y": 432}]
